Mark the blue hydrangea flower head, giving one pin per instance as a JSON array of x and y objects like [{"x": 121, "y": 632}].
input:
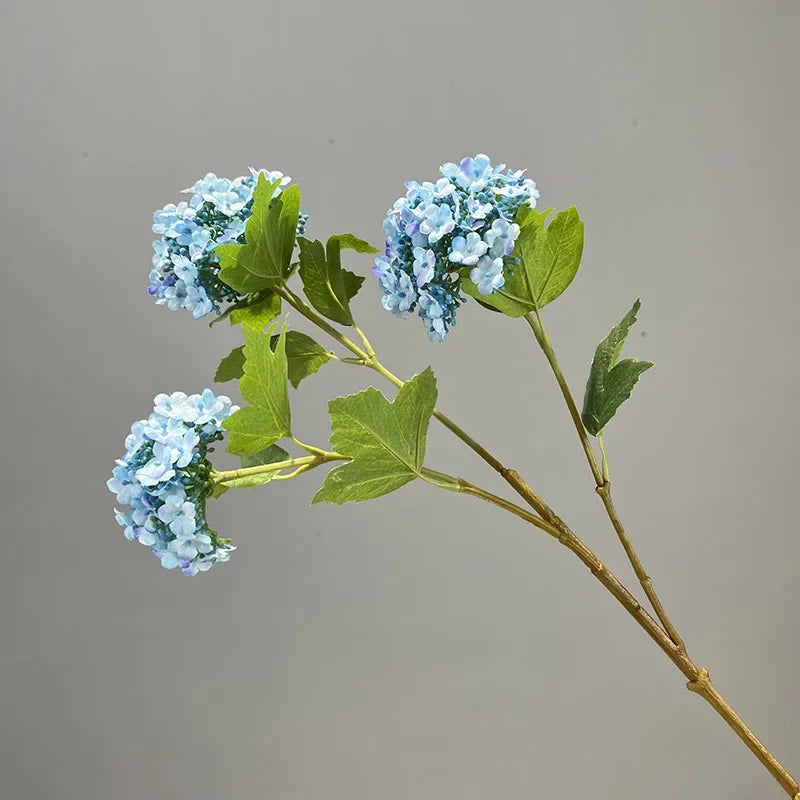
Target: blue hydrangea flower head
[
  {"x": 464, "y": 220},
  {"x": 185, "y": 271},
  {"x": 163, "y": 479}
]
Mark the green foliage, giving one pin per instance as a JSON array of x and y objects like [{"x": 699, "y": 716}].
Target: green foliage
[
  {"x": 280, "y": 231},
  {"x": 231, "y": 367},
  {"x": 270, "y": 455},
  {"x": 264, "y": 385},
  {"x": 259, "y": 314},
  {"x": 270, "y": 232},
  {"x": 346, "y": 241},
  {"x": 385, "y": 441},
  {"x": 554, "y": 259},
  {"x": 611, "y": 382},
  {"x": 327, "y": 285},
  {"x": 304, "y": 355},
  {"x": 234, "y": 274},
  {"x": 549, "y": 258}
]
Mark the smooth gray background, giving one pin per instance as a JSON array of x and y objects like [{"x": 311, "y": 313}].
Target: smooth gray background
[{"x": 422, "y": 645}]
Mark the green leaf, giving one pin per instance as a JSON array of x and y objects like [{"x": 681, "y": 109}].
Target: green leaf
[
  {"x": 305, "y": 356},
  {"x": 231, "y": 367},
  {"x": 553, "y": 257},
  {"x": 329, "y": 287},
  {"x": 385, "y": 441},
  {"x": 263, "y": 195},
  {"x": 264, "y": 386},
  {"x": 257, "y": 315},
  {"x": 549, "y": 259},
  {"x": 508, "y": 300},
  {"x": 346, "y": 241},
  {"x": 270, "y": 455},
  {"x": 280, "y": 231},
  {"x": 610, "y": 383},
  {"x": 527, "y": 216},
  {"x": 265, "y": 260},
  {"x": 234, "y": 274}
]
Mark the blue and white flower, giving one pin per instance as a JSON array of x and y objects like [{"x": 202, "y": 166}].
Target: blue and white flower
[
  {"x": 467, "y": 249},
  {"x": 164, "y": 479},
  {"x": 488, "y": 274},
  {"x": 185, "y": 271},
  {"x": 424, "y": 262},
  {"x": 438, "y": 230}
]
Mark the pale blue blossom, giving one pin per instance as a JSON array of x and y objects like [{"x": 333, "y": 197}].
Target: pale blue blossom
[
  {"x": 424, "y": 262},
  {"x": 440, "y": 234},
  {"x": 432, "y": 313},
  {"x": 436, "y": 222},
  {"x": 501, "y": 237},
  {"x": 488, "y": 275},
  {"x": 185, "y": 272},
  {"x": 467, "y": 249},
  {"x": 399, "y": 292},
  {"x": 157, "y": 469},
  {"x": 178, "y": 513},
  {"x": 164, "y": 480}
]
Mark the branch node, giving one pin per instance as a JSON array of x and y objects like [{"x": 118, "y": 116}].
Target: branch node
[{"x": 701, "y": 683}]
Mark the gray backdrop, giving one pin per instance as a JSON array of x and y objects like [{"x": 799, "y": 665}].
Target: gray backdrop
[{"x": 422, "y": 645}]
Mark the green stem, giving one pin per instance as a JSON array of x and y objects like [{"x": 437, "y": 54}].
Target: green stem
[
  {"x": 309, "y": 448},
  {"x": 603, "y": 485},
  {"x": 366, "y": 357},
  {"x": 299, "y": 305},
  {"x": 305, "y": 462},
  {"x": 448, "y": 482},
  {"x": 606, "y": 473},
  {"x": 542, "y": 338}
]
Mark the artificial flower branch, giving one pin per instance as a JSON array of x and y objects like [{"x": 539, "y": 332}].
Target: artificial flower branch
[{"x": 476, "y": 231}]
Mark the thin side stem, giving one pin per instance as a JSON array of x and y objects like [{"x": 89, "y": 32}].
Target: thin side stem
[
  {"x": 603, "y": 485},
  {"x": 444, "y": 481},
  {"x": 544, "y": 342},
  {"x": 309, "y": 448},
  {"x": 304, "y": 462},
  {"x": 647, "y": 584},
  {"x": 369, "y": 359},
  {"x": 606, "y": 472},
  {"x": 299, "y": 305}
]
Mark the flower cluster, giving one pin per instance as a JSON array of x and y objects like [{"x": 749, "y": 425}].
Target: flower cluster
[
  {"x": 465, "y": 219},
  {"x": 164, "y": 478},
  {"x": 185, "y": 270}
]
